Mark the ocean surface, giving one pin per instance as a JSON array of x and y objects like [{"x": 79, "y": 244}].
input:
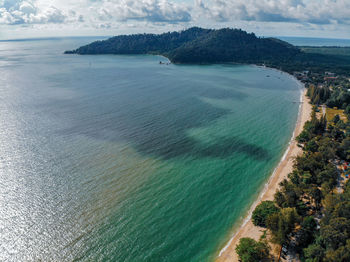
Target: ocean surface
[
  {"x": 119, "y": 158},
  {"x": 312, "y": 41}
]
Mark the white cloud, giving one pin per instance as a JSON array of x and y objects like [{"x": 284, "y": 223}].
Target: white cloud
[
  {"x": 112, "y": 11},
  {"x": 14, "y": 12},
  {"x": 27, "y": 8},
  {"x": 6, "y": 17},
  {"x": 301, "y": 11},
  {"x": 148, "y": 10},
  {"x": 38, "y": 11},
  {"x": 114, "y": 16},
  {"x": 49, "y": 15}
]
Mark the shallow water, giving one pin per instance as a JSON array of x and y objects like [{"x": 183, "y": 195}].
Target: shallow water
[{"x": 118, "y": 158}]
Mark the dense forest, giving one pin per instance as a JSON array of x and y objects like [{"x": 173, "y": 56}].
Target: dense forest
[
  {"x": 232, "y": 45},
  {"x": 142, "y": 43},
  {"x": 198, "y": 45}
]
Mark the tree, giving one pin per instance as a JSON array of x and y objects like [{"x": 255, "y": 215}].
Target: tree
[
  {"x": 342, "y": 254},
  {"x": 329, "y": 173},
  {"x": 262, "y": 211},
  {"x": 303, "y": 137},
  {"x": 306, "y": 233},
  {"x": 335, "y": 233},
  {"x": 336, "y": 119},
  {"x": 282, "y": 224},
  {"x": 316, "y": 194},
  {"x": 250, "y": 250},
  {"x": 289, "y": 194},
  {"x": 347, "y": 110},
  {"x": 327, "y": 147},
  {"x": 314, "y": 253},
  {"x": 326, "y": 188},
  {"x": 342, "y": 210},
  {"x": 344, "y": 149},
  {"x": 311, "y": 146},
  {"x": 279, "y": 198}
]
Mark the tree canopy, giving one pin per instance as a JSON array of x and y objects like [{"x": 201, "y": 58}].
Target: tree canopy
[
  {"x": 263, "y": 211},
  {"x": 250, "y": 250}
]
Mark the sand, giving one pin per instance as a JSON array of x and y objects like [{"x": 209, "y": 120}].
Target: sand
[{"x": 285, "y": 166}]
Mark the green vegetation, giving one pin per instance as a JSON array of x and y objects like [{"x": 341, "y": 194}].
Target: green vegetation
[
  {"x": 318, "y": 95},
  {"x": 232, "y": 45},
  {"x": 329, "y": 89},
  {"x": 334, "y": 59},
  {"x": 142, "y": 43},
  {"x": 332, "y": 241},
  {"x": 332, "y": 113},
  {"x": 262, "y": 212},
  {"x": 317, "y": 63},
  {"x": 340, "y": 98},
  {"x": 327, "y": 50},
  {"x": 250, "y": 250},
  {"x": 197, "y": 45},
  {"x": 281, "y": 224}
]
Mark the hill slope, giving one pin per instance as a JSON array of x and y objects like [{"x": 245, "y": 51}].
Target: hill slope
[
  {"x": 232, "y": 45},
  {"x": 142, "y": 43}
]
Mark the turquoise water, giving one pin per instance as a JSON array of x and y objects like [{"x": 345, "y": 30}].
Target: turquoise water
[{"x": 118, "y": 158}]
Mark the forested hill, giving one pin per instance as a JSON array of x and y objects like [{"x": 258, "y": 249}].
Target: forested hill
[
  {"x": 196, "y": 45},
  {"x": 232, "y": 45}
]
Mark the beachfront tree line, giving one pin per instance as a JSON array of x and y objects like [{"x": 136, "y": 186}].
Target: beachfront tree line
[
  {"x": 339, "y": 97},
  {"x": 310, "y": 213}
]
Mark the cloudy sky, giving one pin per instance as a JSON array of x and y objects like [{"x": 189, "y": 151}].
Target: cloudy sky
[{"x": 40, "y": 18}]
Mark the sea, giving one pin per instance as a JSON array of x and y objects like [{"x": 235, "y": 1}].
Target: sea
[
  {"x": 314, "y": 41},
  {"x": 121, "y": 158}
]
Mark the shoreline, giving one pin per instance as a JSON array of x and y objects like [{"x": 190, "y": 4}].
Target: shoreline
[{"x": 284, "y": 167}]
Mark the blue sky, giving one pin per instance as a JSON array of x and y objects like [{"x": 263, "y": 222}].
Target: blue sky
[{"x": 40, "y": 18}]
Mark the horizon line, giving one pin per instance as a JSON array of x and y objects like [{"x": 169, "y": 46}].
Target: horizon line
[{"x": 108, "y": 36}]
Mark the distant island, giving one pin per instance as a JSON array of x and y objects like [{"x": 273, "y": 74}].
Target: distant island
[{"x": 207, "y": 46}]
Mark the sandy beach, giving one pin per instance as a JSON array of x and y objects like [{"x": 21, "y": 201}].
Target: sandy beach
[{"x": 285, "y": 166}]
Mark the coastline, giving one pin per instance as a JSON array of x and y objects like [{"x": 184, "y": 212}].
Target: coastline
[{"x": 284, "y": 167}]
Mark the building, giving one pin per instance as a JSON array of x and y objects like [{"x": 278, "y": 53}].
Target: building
[{"x": 329, "y": 74}]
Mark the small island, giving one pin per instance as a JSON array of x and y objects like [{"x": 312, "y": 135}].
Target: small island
[{"x": 208, "y": 46}]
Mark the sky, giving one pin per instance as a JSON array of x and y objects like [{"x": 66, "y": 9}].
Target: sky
[{"x": 55, "y": 18}]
